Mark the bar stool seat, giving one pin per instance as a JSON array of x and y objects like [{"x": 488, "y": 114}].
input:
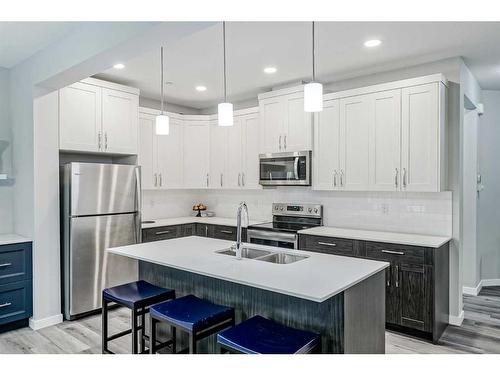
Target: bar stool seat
[
  {"x": 138, "y": 296},
  {"x": 259, "y": 335},
  {"x": 198, "y": 317}
]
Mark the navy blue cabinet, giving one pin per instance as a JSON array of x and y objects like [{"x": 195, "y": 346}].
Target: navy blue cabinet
[{"x": 16, "y": 294}]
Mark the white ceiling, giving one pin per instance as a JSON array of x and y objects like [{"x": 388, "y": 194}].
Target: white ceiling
[
  {"x": 287, "y": 45},
  {"x": 20, "y": 40}
]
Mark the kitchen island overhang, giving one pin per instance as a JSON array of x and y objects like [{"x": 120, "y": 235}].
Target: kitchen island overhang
[{"x": 341, "y": 298}]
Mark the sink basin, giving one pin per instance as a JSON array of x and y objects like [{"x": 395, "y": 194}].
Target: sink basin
[
  {"x": 245, "y": 252},
  {"x": 283, "y": 258}
]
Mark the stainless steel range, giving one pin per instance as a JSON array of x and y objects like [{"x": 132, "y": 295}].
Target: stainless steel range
[{"x": 288, "y": 219}]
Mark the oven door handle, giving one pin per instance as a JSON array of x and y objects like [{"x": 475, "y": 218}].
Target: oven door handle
[
  {"x": 296, "y": 167},
  {"x": 268, "y": 235}
]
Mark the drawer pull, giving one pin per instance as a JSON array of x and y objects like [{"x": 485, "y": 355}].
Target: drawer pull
[
  {"x": 227, "y": 231},
  {"x": 6, "y": 304},
  {"x": 162, "y": 232},
  {"x": 327, "y": 244},
  {"x": 393, "y": 252},
  {"x": 5, "y": 265}
]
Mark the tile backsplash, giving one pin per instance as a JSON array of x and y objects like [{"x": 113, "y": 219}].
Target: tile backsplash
[{"x": 425, "y": 213}]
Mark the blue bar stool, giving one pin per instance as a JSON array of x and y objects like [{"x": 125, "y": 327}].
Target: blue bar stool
[
  {"x": 137, "y": 296},
  {"x": 198, "y": 317},
  {"x": 259, "y": 335}
]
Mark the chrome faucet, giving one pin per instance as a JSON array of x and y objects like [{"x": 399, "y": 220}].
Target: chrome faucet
[{"x": 241, "y": 208}]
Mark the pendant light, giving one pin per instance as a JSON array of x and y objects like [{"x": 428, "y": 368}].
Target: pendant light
[
  {"x": 225, "y": 110},
  {"x": 162, "y": 121},
  {"x": 313, "y": 91}
]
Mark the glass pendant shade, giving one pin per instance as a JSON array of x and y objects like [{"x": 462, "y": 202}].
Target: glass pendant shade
[
  {"x": 225, "y": 114},
  {"x": 162, "y": 124},
  {"x": 313, "y": 97}
]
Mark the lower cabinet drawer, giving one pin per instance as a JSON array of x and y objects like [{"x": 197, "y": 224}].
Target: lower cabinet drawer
[
  {"x": 393, "y": 252},
  {"x": 329, "y": 245},
  {"x": 224, "y": 232},
  {"x": 15, "y": 262},
  {"x": 160, "y": 233},
  {"x": 15, "y": 301}
]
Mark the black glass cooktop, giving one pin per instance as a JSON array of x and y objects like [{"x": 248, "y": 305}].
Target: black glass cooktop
[{"x": 282, "y": 227}]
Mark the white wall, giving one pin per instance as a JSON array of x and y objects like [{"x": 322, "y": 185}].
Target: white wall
[
  {"x": 6, "y": 190},
  {"x": 176, "y": 108},
  {"x": 488, "y": 219}
]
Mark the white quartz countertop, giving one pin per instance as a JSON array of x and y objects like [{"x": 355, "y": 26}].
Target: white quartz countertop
[
  {"x": 316, "y": 278},
  {"x": 193, "y": 219},
  {"x": 8, "y": 239},
  {"x": 376, "y": 236}
]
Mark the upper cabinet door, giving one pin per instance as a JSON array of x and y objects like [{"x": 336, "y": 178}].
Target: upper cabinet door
[
  {"x": 234, "y": 151},
  {"x": 196, "y": 154},
  {"x": 218, "y": 145},
  {"x": 146, "y": 157},
  {"x": 420, "y": 138},
  {"x": 385, "y": 141},
  {"x": 80, "y": 117},
  {"x": 119, "y": 121},
  {"x": 355, "y": 122},
  {"x": 272, "y": 119},
  {"x": 250, "y": 141},
  {"x": 326, "y": 151},
  {"x": 169, "y": 155},
  {"x": 298, "y": 124}
]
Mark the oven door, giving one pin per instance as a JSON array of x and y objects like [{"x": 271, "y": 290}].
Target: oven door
[
  {"x": 270, "y": 238},
  {"x": 286, "y": 168}
]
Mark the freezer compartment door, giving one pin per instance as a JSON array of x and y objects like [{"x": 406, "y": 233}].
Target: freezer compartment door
[
  {"x": 98, "y": 189},
  {"x": 91, "y": 268}
]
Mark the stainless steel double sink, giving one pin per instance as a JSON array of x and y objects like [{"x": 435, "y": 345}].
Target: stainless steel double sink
[{"x": 264, "y": 255}]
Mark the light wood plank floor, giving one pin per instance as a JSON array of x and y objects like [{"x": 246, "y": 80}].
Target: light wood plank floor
[{"x": 479, "y": 333}]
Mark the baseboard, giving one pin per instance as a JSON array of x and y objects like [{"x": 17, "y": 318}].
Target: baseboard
[
  {"x": 456, "y": 320},
  {"x": 490, "y": 282},
  {"x": 46, "y": 322},
  {"x": 473, "y": 291}
]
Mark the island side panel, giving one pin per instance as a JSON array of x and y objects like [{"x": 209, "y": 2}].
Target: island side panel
[
  {"x": 364, "y": 311},
  {"x": 325, "y": 318}
]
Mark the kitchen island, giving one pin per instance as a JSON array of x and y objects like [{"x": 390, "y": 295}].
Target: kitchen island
[{"x": 341, "y": 298}]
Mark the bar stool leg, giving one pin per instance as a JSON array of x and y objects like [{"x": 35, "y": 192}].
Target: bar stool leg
[
  {"x": 192, "y": 343},
  {"x": 152, "y": 335},
  {"x": 104, "y": 335},
  {"x": 134, "y": 331},
  {"x": 143, "y": 329},
  {"x": 173, "y": 333}
]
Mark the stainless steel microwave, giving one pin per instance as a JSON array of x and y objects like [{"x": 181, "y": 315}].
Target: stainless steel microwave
[{"x": 285, "y": 169}]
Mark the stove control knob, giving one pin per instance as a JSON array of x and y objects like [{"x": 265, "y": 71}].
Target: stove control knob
[
  {"x": 309, "y": 210},
  {"x": 315, "y": 210},
  {"x": 276, "y": 208},
  {"x": 281, "y": 208}
]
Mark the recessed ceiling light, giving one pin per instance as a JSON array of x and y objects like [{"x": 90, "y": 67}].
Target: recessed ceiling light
[
  {"x": 373, "y": 43},
  {"x": 119, "y": 66},
  {"x": 201, "y": 88},
  {"x": 270, "y": 70}
]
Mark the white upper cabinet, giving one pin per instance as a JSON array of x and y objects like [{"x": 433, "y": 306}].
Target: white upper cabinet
[
  {"x": 119, "y": 121},
  {"x": 385, "y": 141},
  {"x": 80, "y": 118},
  {"x": 326, "y": 153},
  {"x": 355, "y": 123},
  {"x": 147, "y": 157},
  {"x": 98, "y": 116},
  {"x": 218, "y": 144},
  {"x": 196, "y": 153},
  {"x": 250, "y": 157},
  {"x": 421, "y": 132},
  {"x": 233, "y": 154},
  {"x": 169, "y": 149},
  {"x": 285, "y": 127}
]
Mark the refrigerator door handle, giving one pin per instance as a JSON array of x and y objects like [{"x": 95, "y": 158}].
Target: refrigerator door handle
[{"x": 139, "y": 204}]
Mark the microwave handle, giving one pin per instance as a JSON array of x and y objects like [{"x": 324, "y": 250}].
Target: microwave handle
[{"x": 296, "y": 167}]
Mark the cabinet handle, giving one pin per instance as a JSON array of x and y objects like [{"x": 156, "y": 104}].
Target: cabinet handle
[
  {"x": 106, "y": 141},
  {"x": 155, "y": 180},
  {"x": 239, "y": 179},
  {"x": 243, "y": 179},
  {"x": 284, "y": 142},
  {"x": 404, "y": 177},
  {"x": 99, "y": 141},
  {"x": 335, "y": 178},
  {"x": 327, "y": 244},
  {"x": 279, "y": 143},
  {"x": 162, "y": 232},
  {"x": 227, "y": 231},
  {"x": 341, "y": 177},
  {"x": 396, "y": 178},
  {"x": 206, "y": 230},
  {"x": 221, "y": 180},
  {"x": 207, "y": 178},
  {"x": 397, "y": 277},
  {"x": 388, "y": 281},
  {"x": 5, "y": 265},
  {"x": 6, "y": 304},
  {"x": 393, "y": 252},
  {"x": 161, "y": 180}
]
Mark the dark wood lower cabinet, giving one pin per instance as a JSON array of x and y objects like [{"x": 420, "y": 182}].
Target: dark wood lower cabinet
[
  {"x": 223, "y": 232},
  {"x": 417, "y": 281}
]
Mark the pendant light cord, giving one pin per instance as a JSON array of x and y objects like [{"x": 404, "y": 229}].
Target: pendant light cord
[
  {"x": 313, "y": 54},
  {"x": 224, "y": 49},
  {"x": 162, "y": 84}
]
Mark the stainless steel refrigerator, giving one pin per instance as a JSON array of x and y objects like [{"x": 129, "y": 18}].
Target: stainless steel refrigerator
[{"x": 101, "y": 208}]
